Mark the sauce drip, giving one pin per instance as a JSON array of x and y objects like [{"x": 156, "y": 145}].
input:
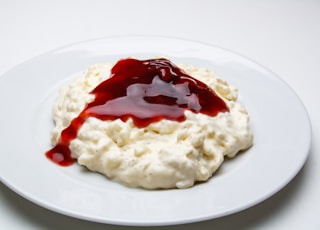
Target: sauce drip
[{"x": 146, "y": 91}]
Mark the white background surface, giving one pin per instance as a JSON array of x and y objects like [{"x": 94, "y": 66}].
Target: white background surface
[{"x": 282, "y": 35}]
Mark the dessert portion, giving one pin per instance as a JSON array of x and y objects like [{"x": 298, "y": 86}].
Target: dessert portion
[{"x": 149, "y": 123}]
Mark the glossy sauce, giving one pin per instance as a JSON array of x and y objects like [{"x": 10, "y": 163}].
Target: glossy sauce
[{"x": 146, "y": 91}]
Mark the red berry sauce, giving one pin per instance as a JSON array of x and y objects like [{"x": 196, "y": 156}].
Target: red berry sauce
[{"x": 146, "y": 91}]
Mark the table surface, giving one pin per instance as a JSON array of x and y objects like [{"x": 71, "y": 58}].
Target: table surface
[{"x": 282, "y": 35}]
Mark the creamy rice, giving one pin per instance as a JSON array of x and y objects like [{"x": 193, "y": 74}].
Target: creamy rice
[{"x": 165, "y": 154}]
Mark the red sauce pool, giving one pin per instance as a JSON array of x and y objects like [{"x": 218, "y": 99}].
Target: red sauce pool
[{"x": 146, "y": 91}]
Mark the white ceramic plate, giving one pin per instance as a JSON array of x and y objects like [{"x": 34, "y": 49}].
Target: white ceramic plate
[{"x": 279, "y": 120}]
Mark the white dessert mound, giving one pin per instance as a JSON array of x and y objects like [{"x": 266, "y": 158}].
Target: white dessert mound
[{"x": 165, "y": 154}]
